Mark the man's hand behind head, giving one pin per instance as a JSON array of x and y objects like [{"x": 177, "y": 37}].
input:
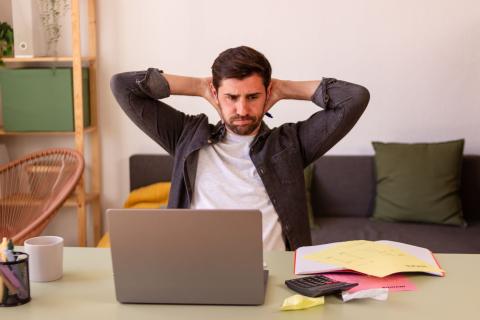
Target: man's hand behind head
[
  {"x": 274, "y": 94},
  {"x": 209, "y": 93}
]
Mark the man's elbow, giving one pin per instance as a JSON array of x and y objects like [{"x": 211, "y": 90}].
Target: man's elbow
[
  {"x": 120, "y": 84},
  {"x": 361, "y": 96},
  {"x": 117, "y": 83}
]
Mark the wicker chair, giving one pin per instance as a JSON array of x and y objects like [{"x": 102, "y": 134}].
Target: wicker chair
[{"x": 33, "y": 188}]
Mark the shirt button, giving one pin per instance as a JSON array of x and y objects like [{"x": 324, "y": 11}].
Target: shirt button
[{"x": 261, "y": 171}]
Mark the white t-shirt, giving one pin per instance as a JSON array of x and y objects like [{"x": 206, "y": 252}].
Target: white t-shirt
[{"x": 227, "y": 179}]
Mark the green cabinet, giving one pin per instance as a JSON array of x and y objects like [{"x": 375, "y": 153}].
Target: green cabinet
[{"x": 41, "y": 99}]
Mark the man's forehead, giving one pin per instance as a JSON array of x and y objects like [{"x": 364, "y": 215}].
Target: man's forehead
[{"x": 249, "y": 85}]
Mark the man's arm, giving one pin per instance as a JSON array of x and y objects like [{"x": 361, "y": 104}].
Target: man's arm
[
  {"x": 138, "y": 94},
  {"x": 192, "y": 86},
  {"x": 293, "y": 90},
  {"x": 343, "y": 104}
]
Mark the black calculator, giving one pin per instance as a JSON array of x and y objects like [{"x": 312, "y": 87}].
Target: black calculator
[{"x": 315, "y": 286}]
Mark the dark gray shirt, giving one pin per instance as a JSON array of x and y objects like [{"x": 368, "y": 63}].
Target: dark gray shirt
[{"x": 279, "y": 154}]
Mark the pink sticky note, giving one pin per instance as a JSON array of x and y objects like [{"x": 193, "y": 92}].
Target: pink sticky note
[{"x": 394, "y": 282}]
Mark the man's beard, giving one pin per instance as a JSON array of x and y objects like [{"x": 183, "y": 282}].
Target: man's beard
[{"x": 243, "y": 130}]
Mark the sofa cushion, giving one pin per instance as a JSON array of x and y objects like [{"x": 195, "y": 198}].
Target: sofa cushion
[
  {"x": 438, "y": 238},
  {"x": 343, "y": 186},
  {"x": 419, "y": 182}
]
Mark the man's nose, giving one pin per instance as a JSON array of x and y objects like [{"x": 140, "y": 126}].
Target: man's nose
[{"x": 242, "y": 107}]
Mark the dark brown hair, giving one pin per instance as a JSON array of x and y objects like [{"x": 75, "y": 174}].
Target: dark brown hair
[{"x": 239, "y": 63}]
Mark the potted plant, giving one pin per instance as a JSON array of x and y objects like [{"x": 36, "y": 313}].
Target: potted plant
[
  {"x": 6, "y": 41},
  {"x": 50, "y": 13}
]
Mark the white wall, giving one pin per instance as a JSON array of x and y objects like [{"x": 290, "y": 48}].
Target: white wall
[{"x": 419, "y": 59}]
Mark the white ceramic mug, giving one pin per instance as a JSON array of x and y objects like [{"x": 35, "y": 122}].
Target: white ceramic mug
[{"x": 45, "y": 261}]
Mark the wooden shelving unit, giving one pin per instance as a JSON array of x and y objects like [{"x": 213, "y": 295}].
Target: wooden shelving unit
[
  {"x": 45, "y": 133},
  {"x": 45, "y": 59},
  {"x": 81, "y": 198}
]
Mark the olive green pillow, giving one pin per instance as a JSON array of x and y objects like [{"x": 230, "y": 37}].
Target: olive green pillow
[{"x": 419, "y": 182}]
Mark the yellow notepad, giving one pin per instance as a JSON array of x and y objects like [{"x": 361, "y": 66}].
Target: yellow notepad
[{"x": 376, "y": 258}]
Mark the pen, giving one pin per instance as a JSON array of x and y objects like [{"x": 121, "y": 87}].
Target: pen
[
  {"x": 268, "y": 114},
  {"x": 3, "y": 248},
  {"x": 3, "y": 291},
  {"x": 14, "y": 285},
  {"x": 8, "y": 285},
  {"x": 4, "y": 284},
  {"x": 10, "y": 278},
  {"x": 9, "y": 251}
]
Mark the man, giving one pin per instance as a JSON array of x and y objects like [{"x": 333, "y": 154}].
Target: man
[{"x": 240, "y": 162}]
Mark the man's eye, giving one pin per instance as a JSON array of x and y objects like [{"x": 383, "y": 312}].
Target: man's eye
[{"x": 252, "y": 97}]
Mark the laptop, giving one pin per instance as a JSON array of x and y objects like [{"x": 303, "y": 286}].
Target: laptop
[{"x": 181, "y": 256}]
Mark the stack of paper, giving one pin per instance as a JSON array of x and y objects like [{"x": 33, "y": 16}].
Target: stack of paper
[{"x": 376, "y": 258}]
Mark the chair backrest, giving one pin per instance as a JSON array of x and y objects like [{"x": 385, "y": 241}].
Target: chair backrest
[
  {"x": 341, "y": 185},
  {"x": 146, "y": 169},
  {"x": 33, "y": 188},
  {"x": 345, "y": 186}
]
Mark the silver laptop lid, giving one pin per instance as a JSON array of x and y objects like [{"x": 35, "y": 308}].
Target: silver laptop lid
[{"x": 187, "y": 256}]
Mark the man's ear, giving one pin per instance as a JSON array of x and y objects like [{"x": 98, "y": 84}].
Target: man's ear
[
  {"x": 214, "y": 95},
  {"x": 213, "y": 91},
  {"x": 269, "y": 90}
]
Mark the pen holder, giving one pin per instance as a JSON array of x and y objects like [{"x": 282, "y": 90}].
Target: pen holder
[{"x": 14, "y": 281}]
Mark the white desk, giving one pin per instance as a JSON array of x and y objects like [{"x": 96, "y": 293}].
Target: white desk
[{"x": 87, "y": 292}]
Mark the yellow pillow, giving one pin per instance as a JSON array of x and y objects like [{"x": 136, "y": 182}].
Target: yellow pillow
[
  {"x": 104, "y": 242},
  {"x": 154, "y": 194},
  {"x": 148, "y": 197}
]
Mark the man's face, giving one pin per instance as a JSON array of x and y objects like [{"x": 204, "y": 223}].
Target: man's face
[{"x": 242, "y": 104}]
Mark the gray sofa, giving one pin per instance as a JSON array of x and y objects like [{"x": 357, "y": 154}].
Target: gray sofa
[{"x": 343, "y": 194}]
